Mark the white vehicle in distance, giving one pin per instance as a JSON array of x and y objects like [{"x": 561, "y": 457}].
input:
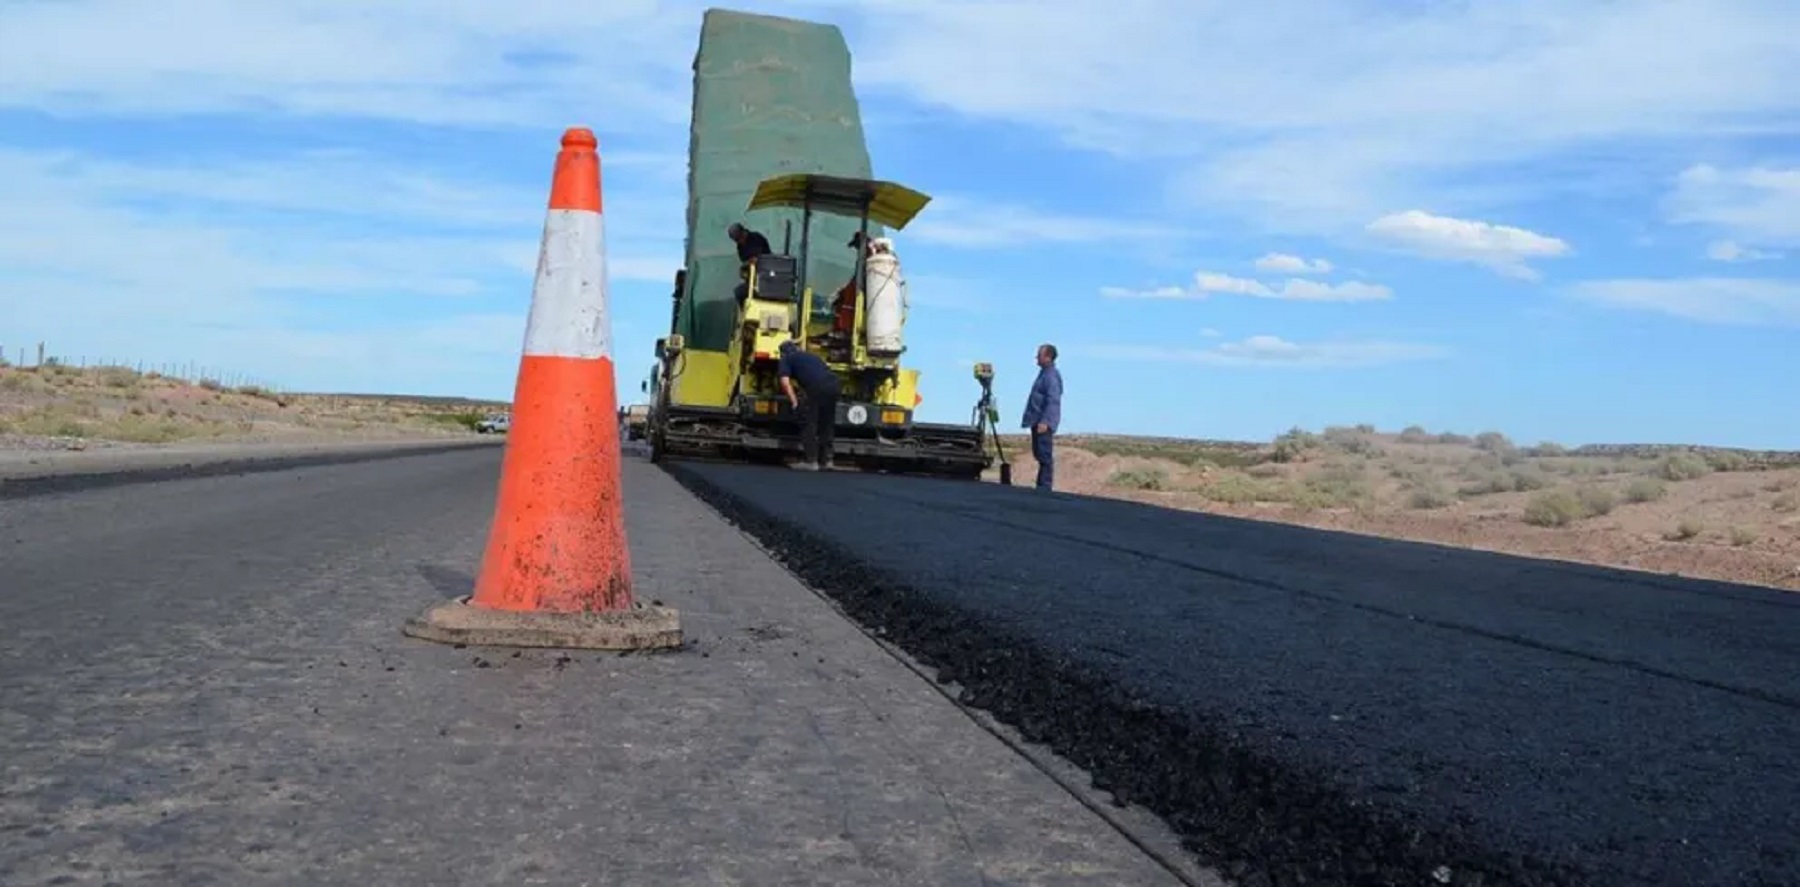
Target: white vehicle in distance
[{"x": 495, "y": 424}]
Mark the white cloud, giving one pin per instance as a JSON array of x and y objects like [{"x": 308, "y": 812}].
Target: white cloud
[
  {"x": 1503, "y": 249},
  {"x": 1315, "y": 114},
  {"x": 285, "y": 268},
  {"x": 1730, "y": 251},
  {"x": 1721, "y": 300},
  {"x": 1280, "y": 114},
  {"x": 1213, "y": 282},
  {"x": 1349, "y": 291},
  {"x": 1282, "y": 263},
  {"x": 1273, "y": 351},
  {"x": 1292, "y": 289},
  {"x": 1160, "y": 292},
  {"x": 1756, "y": 206},
  {"x": 530, "y": 63}
]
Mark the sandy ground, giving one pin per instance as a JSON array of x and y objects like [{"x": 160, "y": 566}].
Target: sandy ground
[
  {"x": 1716, "y": 514},
  {"x": 62, "y": 408}
]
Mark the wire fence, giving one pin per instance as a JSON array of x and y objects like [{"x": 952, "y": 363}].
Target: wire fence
[{"x": 193, "y": 372}]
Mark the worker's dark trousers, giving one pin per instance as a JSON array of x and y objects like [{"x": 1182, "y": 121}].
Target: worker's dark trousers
[
  {"x": 818, "y": 422},
  {"x": 1043, "y": 449}
]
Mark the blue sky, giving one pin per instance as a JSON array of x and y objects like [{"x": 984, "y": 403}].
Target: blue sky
[{"x": 1562, "y": 220}]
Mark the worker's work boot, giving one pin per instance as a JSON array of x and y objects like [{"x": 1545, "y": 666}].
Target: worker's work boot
[
  {"x": 829, "y": 465},
  {"x": 804, "y": 465}
]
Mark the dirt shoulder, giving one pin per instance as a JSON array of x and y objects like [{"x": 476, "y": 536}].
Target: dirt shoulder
[
  {"x": 1691, "y": 511},
  {"x": 59, "y": 409}
]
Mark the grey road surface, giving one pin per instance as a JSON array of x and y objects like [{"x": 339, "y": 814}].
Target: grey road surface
[
  {"x": 1328, "y": 707},
  {"x": 203, "y": 682}
]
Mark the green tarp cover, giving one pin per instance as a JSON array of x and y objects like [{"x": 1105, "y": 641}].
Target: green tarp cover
[{"x": 771, "y": 96}]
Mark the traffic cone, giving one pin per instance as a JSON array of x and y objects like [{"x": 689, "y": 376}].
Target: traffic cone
[{"x": 557, "y": 569}]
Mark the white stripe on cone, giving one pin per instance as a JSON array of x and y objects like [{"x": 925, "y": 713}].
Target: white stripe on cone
[{"x": 568, "y": 306}]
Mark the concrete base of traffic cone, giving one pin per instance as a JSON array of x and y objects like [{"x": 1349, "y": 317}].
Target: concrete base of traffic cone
[
  {"x": 641, "y": 627},
  {"x": 557, "y": 568}
]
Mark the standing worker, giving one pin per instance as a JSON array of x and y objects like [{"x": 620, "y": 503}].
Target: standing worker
[
  {"x": 818, "y": 417},
  {"x": 1043, "y": 412}
]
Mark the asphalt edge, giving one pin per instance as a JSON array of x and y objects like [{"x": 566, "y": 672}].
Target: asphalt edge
[
  {"x": 55, "y": 481},
  {"x": 1257, "y": 820}
]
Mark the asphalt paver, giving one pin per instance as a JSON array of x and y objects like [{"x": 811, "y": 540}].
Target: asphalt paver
[
  {"x": 1327, "y": 708},
  {"x": 203, "y": 681}
]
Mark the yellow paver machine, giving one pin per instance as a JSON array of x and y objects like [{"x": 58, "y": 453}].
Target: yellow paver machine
[{"x": 774, "y": 145}]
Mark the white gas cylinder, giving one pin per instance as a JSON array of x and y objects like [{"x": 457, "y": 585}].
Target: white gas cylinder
[{"x": 885, "y": 310}]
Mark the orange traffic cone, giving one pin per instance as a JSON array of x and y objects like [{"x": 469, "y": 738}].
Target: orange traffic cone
[{"x": 557, "y": 570}]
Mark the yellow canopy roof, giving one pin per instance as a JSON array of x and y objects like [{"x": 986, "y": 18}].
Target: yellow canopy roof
[{"x": 890, "y": 204}]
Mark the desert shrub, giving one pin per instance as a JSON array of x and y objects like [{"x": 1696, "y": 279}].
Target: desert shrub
[
  {"x": 1416, "y": 434},
  {"x": 1529, "y": 479},
  {"x": 1352, "y": 440},
  {"x": 1725, "y": 460},
  {"x": 1333, "y": 486},
  {"x": 1196, "y": 453},
  {"x": 1264, "y": 470},
  {"x": 466, "y": 419},
  {"x": 1450, "y": 437},
  {"x": 1140, "y": 478},
  {"x": 1597, "y": 500},
  {"x": 1412, "y": 475},
  {"x": 1549, "y": 448},
  {"x": 211, "y": 384},
  {"x": 1429, "y": 495},
  {"x": 51, "y": 421},
  {"x": 1682, "y": 466},
  {"x": 117, "y": 376},
  {"x": 1687, "y": 529},
  {"x": 1293, "y": 445},
  {"x": 1238, "y": 488},
  {"x": 1484, "y": 482},
  {"x": 1786, "y": 502},
  {"x": 1554, "y": 508},
  {"x": 1741, "y": 536},
  {"x": 1493, "y": 442},
  {"x": 1645, "y": 489}
]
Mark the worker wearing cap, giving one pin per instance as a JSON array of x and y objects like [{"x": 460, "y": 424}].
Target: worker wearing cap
[
  {"x": 1043, "y": 413},
  {"x": 750, "y": 244},
  {"x": 818, "y": 415},
  {"x": 843, "y": 308}
]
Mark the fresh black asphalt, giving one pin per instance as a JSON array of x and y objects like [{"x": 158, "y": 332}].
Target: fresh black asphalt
[{"x": 1321, "y": 708}]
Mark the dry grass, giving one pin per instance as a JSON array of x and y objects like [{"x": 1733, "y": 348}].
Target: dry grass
[
  {"x": 1700, "y": 511},
  {"x": 65, "y": 406}
]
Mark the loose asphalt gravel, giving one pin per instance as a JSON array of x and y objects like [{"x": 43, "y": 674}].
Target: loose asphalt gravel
[
  {"x": 203, "y": 681},
  {"x": 1322, "y": 708}
]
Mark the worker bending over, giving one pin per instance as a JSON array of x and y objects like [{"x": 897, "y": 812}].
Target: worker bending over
[
  {"x": 818, "y": 415},
  {"x": 1043, "y": 413}
]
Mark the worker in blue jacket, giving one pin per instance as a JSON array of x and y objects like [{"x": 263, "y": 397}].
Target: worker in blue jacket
[{"x": 1043, "y": 413}]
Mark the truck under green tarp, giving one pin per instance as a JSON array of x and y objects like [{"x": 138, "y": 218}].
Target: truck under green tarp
[{"x": 771, "y": 96}]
